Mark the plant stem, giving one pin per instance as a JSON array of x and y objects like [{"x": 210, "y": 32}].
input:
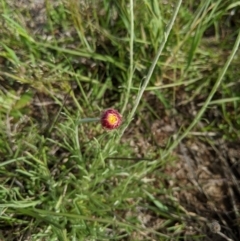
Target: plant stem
[
  {"x": 151, "y": 69},
  {"x": 86, "y": 120},
  {"x": 130, "y": 75}
]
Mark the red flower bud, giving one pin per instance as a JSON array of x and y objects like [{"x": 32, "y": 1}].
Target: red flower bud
[{"x": 111, "y": 119}]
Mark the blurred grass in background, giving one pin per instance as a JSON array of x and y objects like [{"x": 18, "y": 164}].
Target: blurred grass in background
[{"x": 65, "y": 60}]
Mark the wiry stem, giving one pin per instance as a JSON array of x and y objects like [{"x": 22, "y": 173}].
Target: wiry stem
[
  {"x": 154, "y": 63},
  {"x": 130, "y": 75},
  {"x": 86, "y": 120}
]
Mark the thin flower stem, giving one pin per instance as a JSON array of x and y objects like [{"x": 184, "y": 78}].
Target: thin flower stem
[
  {"x": 86, "y": 120},
  {"x": 130, "y": 75},
  {"x": 224, "y": 236},
  {"x": 151, "y": 69}
]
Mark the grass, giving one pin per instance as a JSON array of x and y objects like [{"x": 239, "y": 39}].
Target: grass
[{"x": 63, "y": 177}]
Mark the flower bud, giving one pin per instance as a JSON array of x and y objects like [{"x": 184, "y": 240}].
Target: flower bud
[{"x": 111, "y": 119}]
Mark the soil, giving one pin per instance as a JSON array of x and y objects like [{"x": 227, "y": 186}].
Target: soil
[{"x": 204, "y": 177}]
